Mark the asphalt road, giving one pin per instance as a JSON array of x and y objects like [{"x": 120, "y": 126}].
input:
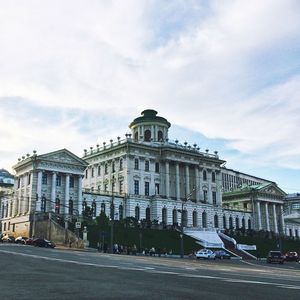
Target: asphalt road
[{"x": 32, "y": 273}]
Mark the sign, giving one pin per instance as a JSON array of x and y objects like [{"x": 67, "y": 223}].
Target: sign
[
  {"x": 78, "y": 225},
  {"x": 246, "y": 247}
]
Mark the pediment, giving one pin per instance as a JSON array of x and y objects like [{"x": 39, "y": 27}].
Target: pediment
[
  {"x": 273, "y": 190},
  {"x": 63, "y": 156}
]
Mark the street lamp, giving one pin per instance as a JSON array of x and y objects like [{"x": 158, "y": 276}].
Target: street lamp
[{"x": 112, "y": 215}]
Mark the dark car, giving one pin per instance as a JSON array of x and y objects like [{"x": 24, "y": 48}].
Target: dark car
[
  {"x": 43, "y": 243},
  {"x": 222, "y": 254},
  {"x": 291, "y": 256},
  {"x": 275, "y": 257},
  {"x": 29, "y": 241}
]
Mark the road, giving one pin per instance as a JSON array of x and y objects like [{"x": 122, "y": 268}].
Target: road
[{"x": 32, "y": 273}]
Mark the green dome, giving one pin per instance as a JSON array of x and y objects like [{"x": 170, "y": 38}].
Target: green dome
[{"x": 149, "y": 115}]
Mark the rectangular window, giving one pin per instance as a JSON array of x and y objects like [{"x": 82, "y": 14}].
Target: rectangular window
[
  {"x": 29, "y": 178},
  {"x": 245, "y": 206},
  {"x": 71, "y": 184},
  {"x": 86, "y": 173},
  {"x": 92, "y": 172},
  {"x": 213, "y": 177},
  {"x": 136, "y": 187},
  {"x": 156, "y": 167},
  {"x": 113, "y": 169},
  {"x": 136, "y": 164},
  {"x": 99, "y": 170},
  {"x": 156, "y": 188},
  {"x": 105, "y": 187},
  {"x": 205, "y": 195},
  {"x": 147, "y": 165},
  {"x": 214, "y": 197},
  {"x": 44, "y": 178},
  {"x": 58, "y": 180},
  {"x": 19, "y": 182},
  {"x": 146, "y": 188}
]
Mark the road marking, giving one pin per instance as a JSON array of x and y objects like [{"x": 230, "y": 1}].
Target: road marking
[{"x": 153, "y": 271}]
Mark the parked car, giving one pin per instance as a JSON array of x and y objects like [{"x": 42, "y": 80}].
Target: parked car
[
  {"x": 221, "y": 254},
  {"x": 8, "y": 238},
  {"x": 21, "y": 240},
  {"x": 43, "y": 243},
  {"x": 275, "y": 256},
  {"x": 29, "y": 241},
  {"x": 206, "y": 254},
  {"x": 291, "y": 256}
]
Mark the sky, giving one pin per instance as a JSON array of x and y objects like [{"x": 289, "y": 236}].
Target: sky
[{"x": 226, "y": 74}]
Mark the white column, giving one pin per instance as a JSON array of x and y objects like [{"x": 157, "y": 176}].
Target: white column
[
  {"x": 275, "y": 218},
  {"x": 167, "y": 180},
  {"x": 219, "y": 187},
  {"x": 80, "y": 195},
  {"x": 267, "y": 216},
  {"x": 67, "y": 194},
  {"x": 187, "y": 180},
  {"x": 39, "y": 191},
  {"x": 177, "y": 182},
  {"x": 209, "y": 195},
  {"x": 282, "y": 219},
  {"x": 53, "y": 191},
  {"x": 197, "y": 184},
  {"x": 258, "y": 215}
]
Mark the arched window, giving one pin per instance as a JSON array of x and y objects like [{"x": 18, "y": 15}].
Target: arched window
[
  {"x": 137, "y": 213},
  {"x": 195, "y": 219},
  {"x": 159, "y": 135},
  {"x": 184, "y": 218},
  {"x": 204, "y": 219},
  {"x": 57, "y": 205},
  {"x": 230, "y": 223},
  {"x": 71, "y": 207},
  {"x": 121, "y": 212},
  {"x": 43, "y": 206},
  {"x": 148, "y": 214},
  {"x": 164, "y": 216},
  {"x": 243, "y": 224},
  {"x": 94, "y": 209},
  {"x": 224, "y": 222},
  {"x": 136, "y": 136},
  {"x": 175, "y": 216},
  {"x": 237, "y": 223},
  {"x": 147, "y": 135},
  {"x": 249, "y": 224},
  {"x": 204, "y": 175},
  {"x": 121, "y": 164},
  {"x": 216, "y": 221},
  {"x": 103, "y": 207}
]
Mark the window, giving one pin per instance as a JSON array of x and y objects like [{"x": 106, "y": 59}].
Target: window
[
  {"x": 137, "y": 213},
  {"x": 146, "y": 188},
  {"x": 205, "y": 196},
  {"x": 121, "y": 187},
  {"x": 237, "y": 223},
  {"x": 19, "y": 182},
  {"x": 136, "y": 164},
  {"x": 92, "y": 172},
  {"x": 44, "y": 179},
  {"x": 224, "y": 222},
  {"x": 29, "y": 178},
  {"x": 86, "y": 173},
  {"x": 156, "y": 167},
  {"x": 136, "y": 137},
  {"x": 175, "y": 216},
  {"x": 195, "y": 222},
  {"x": 159, "y": 136},
  {"x": 136, "y": 187},
  {"x": 105, "y": 169},
  {"x": 99, "y": 170},
  {"x": 214, "y": 197},
  {"x": 243, "y": 224},
  {"x": 103, "y": 207},
  {"x": 164, "y": 216},
  {"x": 58, "y": 180},
  {"x": 213, "y": 177},
  {"x": 230, "y": 223},
  {"x": 94, "y": 209},
  {"x": 249, "y": 224},
  {"x": 245, "y": 206},
  {"x": 184, "y": 218},
  {"x": 147, "y": 166},
  {"x": 204, "y": 175},
  {"x": 112, "y": 211},
  {"x": 156, "y": 188},
  {"x": 121, "y": 212},
  {"x": 148, "y": 214},
  {"x": 105, "y": 187},
  {"x": 43, "y": 205},
  {"x": 113, "y": 169},
  {"x": 216, "y": 221},
  {"x": 84, "y": 205},
  {"x": 204, "y": 220},
  {"x": 121, "y": 164},
  {"x": 71, "y": 184},
  {"x": 147, "y": 135}
]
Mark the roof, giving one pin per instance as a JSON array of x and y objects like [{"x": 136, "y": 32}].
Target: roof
[
  {"x": 149, "y": 115},
  {"x": 4, "y": 173}
]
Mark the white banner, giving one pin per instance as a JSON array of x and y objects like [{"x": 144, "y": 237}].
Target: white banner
[{"x": 246, "y": 247}]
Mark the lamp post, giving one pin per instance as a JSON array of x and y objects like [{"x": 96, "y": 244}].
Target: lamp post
[{"x": 112, "y": 216}]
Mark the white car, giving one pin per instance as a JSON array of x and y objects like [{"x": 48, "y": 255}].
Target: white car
[{"x": 205, "y": 253}]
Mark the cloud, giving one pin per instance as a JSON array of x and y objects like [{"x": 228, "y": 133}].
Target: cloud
[{"x": 228, "y": 70}]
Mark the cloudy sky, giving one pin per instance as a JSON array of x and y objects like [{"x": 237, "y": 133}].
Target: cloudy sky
[{"x": 226, "y": 74}]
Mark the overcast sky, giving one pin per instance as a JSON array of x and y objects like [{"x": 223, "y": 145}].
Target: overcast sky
[{"x": 226, "y": 74}]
